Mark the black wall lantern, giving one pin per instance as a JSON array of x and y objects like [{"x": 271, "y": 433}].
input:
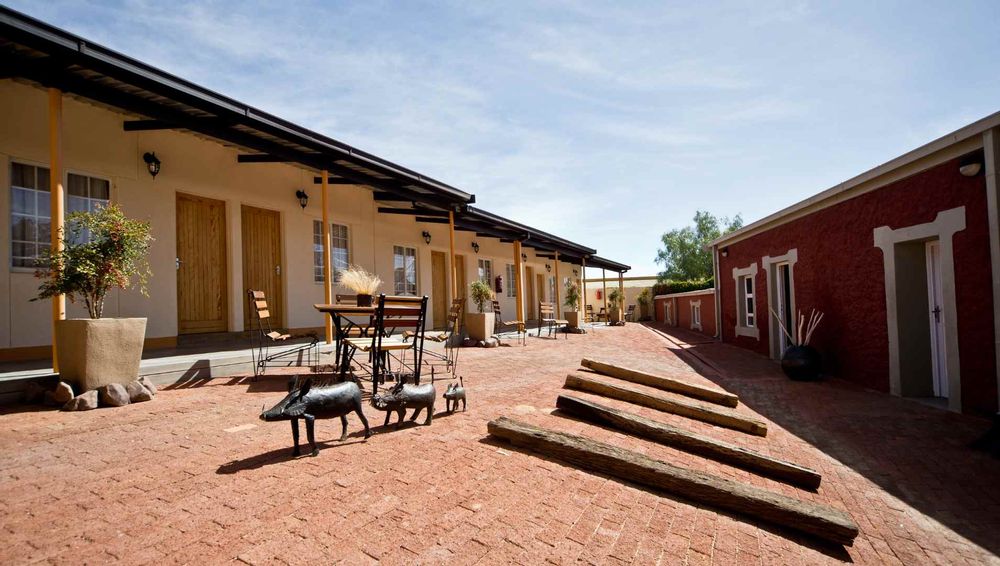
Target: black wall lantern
[
  {"x": 548, "y": 267},
  {"x": 152, "y": 163},
  {"x": 427, "y": 237},
  {"x": 524, "y": 257},
  {"x": 303, "y": 198},
  {"x": 475, "y": 247}
]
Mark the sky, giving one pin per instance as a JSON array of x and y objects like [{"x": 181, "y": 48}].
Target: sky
[{"x": 604, "y": 123}]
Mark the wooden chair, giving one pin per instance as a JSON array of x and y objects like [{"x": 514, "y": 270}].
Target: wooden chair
[
  {"x": 391, "y": 314},
  {"x": 263, "y": 337},
  {"x": 630, "y": 313},
  {"x": 500, "y": 325},
  {"x": 547, "y": 317},
  {"x": 602, "y": 315},
  {"x": 588, "y": 315},
  {"x": 446, "y": 336}
]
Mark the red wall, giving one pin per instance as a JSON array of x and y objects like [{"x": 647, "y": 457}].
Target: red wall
[
  {"x": 840, "y": 272},
  {"x": 682, "y": 311}
]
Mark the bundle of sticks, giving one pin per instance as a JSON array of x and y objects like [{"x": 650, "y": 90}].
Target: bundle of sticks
[{"x": 810, "y": 326}]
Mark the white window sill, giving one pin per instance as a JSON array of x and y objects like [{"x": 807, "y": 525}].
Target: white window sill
[{"x": 748, "y": 332}]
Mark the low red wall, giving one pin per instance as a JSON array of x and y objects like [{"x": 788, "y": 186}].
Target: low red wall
[
  {"x": 682, "y": 311},
  {"x": 840, "y": 272}
]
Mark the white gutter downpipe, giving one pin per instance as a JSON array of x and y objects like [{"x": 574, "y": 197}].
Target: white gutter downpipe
[
  {"x": 718, "y": 293},
  {"x": 991, "y": 151}
]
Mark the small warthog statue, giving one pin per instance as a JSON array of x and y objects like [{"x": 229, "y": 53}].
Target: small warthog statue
[
  {"x": 454, "y": 394},
  {"x": 308, "y": 403},
  {"x": 406, "y": 396}
]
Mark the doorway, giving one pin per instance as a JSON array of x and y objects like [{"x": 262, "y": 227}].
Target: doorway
[
  {"x": 785, "y": 306},
  {"x": 935, "y": 300},
  {"x": 261, "y": 232},
  {"x": 439, "y": 289},
  {"x": 460, "y": 285},
  {"x": 530, "y": 292},
  {"x": 202, "y": 276}
]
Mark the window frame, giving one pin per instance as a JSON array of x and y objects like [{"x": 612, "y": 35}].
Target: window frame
[
  {"x": 35, "y": 217},
  {"x": 416, "y": 271},
  {"x": 485, "y": 270},
  {"x": 511, "y": 283},
  {"x": 696, "y": 315},
  {"x": 336, "y": 274},
  {"x": 747, "y": 304},
  {"x": 89, "y": 199}
]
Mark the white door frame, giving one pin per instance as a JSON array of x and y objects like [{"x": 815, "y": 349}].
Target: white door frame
[
  {"x": 935, "y": 302},
  {"x": 771, "y": 272},
  {"x": 943, "y": 228}
]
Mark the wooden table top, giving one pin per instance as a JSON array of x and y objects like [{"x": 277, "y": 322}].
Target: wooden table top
[{"x": 347, "y": 310}]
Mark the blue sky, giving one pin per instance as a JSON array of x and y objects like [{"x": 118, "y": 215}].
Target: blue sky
[{"x": 603, "y": 123}]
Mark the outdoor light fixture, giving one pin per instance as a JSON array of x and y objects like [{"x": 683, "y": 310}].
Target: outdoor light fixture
[
  {"x": 725, "y": 252},
  {"x": 475, "y": 247},
  {"x": 303, "y": 198},
  {"x": 524, "y": 257},
  {"x": 575, "y": 273},
  {"x": 152, "y": 163},
  {"x": 970, "y": 165},
  {"x": 427, "y": 237},
  {"x": 548, "y": 267}
]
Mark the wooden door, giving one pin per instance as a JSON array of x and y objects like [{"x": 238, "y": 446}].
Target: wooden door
[
  {"x": 463, "y": 291},
  {"x": 439, "y": 289},
  {"x": 262, "y": 261},
  {"x": 540, "y": 285},
  {"x": 935, "y": 300},
  {"x": 529, "y": 288},
  {"x": 202, "y": 276}
]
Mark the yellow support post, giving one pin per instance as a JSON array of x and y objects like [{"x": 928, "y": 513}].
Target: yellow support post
[
  {"x": 519, "y": 297},
  {"x": 583, "y": 287},
  {"x": 604, "y": 283},
  {"x": 56, "y": 204},
  {"x": 558, "y": 283},
  {"x": 454, "y": 266},
  {"x": 327, "y": 268}
]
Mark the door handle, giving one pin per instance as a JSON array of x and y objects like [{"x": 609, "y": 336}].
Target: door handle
[
  {"x": 177, "y": 262},
  {"x": 937, "y": 313},
  {"x": 277, "y": 270}
]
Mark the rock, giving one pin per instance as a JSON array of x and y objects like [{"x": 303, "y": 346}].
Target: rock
[
  {"x": 137, "y": 392},
  {"x": 113, "y": 395},
  {"x": 63, "y": 393},
  {"x": 148, "y": 384},
  {"x": 33, "y": 392},
  {"x": 82, "y": 402}
]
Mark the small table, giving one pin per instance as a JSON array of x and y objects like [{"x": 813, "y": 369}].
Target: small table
[{"x": 343, "y": 325}]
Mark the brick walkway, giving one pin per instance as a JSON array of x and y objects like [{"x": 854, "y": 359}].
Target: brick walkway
[{"x": 195, "y": 477}]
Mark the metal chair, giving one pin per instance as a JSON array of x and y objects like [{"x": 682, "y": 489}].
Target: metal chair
[
  {"x": 263, "y": 337},
  {"x": 500, "y": 325},
  {"x": 588, "y": 315},
  {"x": 391, "y": 314},
  {"x": 547, "y": 317},
  {"x": 630, "y": 313}
]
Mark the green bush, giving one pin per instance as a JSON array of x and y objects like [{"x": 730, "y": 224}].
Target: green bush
[
  {"x": 669, "y": 287},
  {"x": 481, "y": 294}
]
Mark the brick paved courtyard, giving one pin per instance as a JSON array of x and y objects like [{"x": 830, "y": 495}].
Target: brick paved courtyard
[{"x": 195, "y": 477}]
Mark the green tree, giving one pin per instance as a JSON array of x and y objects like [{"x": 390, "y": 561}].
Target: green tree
[{"x": 683, "y": 254}]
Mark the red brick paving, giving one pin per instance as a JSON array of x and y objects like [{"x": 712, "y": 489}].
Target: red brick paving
[{"x": 164, "y": 482}]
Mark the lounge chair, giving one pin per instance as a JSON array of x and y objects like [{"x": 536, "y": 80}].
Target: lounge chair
[
  {"x": 263, "y": 337},
  {"x": 547, "y": 317},
  {"x": 500, "y": 325}
]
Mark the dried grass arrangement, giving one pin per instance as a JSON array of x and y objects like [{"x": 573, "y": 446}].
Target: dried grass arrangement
[
  {"x": 809, "y": 326},
  {"x": 360, "y": 281}
]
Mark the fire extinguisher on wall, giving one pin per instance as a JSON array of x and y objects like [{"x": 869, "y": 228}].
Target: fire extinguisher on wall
[{"x": 599, "y": 295}]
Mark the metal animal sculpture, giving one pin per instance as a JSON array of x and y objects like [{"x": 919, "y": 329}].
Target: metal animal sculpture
[
  {"x": 406, "y": 396},
  {"x": 309, "y": 403},
  {"x": 454, "y": 394}
]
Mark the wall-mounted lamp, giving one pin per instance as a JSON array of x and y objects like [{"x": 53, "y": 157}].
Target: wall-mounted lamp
[
  {"x": 575, "y": 273},
  {"x": 548, "y": 267},
  {"x": 524, "y": 257},
  {"x": 427, "y": 237},
  {"x": 970, "y": 165},
  {"x": 303, "y": 198},
  {"x": 725, "y": 251},
  {"x": 475, "y": 247},
  {"x": 152, "y": 163}
]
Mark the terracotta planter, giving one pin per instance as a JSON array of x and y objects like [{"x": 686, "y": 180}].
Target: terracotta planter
[
  {"x": 96, "y": 352},
  {"x": 573, "y": 317},
  {"x": 479, "y": 325}
]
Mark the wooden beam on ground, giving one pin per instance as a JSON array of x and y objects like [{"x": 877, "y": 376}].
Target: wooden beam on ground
[
  {"x": 687, "y": 441},
  {"x": 814, "y": 519},
  {"x": 696, "y": 411},
  {"x": 716, "y": 396}
]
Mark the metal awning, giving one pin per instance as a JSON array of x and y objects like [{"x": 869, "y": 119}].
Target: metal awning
[{"x": 38, "y": 52}]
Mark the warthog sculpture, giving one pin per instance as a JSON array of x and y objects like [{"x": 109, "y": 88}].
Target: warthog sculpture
[
  {"x": 406, "y": 396},
  {"x": 454, "y": 394},
  {"x": 309, "y": 403}
]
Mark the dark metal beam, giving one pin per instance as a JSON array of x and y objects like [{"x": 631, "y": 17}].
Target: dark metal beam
[
  {"x": 430, "y": 220},
  {"x": 260, "y": 158},
  {"x": 146, "y": 125},
  {"x": 334, "y": 181},
  {"x": 413, "y": 211}
]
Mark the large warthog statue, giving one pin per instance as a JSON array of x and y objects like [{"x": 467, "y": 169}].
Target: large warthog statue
[
  {"x": 309, "y": 403},
  {"x": 406, "y": 396}
]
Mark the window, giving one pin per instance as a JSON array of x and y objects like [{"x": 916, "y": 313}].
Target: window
[
  {"x": 696, "y": 315},
  {"x": 486, "y": 271},
  {"x": 340, "y": 250},
  {"x": 511, "y": 280},
  {"x": 30, "y": 234},
  {"x": 552, "y": 289},
  {"x": 746, "y": 301},
  {"x": 404, "y": 270},
  {"x": 86, "y": 194}
]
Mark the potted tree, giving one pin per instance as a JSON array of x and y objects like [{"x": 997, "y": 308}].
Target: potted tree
[
  {"x": 102, "y": 249},
  {"x": 800, "y": 361},
  {"x": 645, "y": 300},
  {"x": 480, "y": 324},
  {"x": 616, "y": 297},
  {"x": 572, "y": 304},
  {"x": 363, "y": 284}
]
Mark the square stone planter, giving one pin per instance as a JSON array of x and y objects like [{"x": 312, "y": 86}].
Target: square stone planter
[
  {"x": 96, "y": 352},
  {"x": 616, "y": 317},
  {"x": 479, "y": 325},
  {"x": 573, "y": 317}
]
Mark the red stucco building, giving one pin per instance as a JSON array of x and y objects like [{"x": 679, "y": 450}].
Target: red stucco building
[
  {"x": 903, "y": 261},
  {"x": 692, "y": 310}
]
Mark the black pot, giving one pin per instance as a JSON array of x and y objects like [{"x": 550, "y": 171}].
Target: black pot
[
  {"x": 364, "y": 300},
  {"x": 801, "y": 363}
]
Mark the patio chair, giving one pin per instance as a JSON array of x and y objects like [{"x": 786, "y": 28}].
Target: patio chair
[
  {"x": 547, "y": 317},
  {"x": 588, "y": 315},
  {"x": 391, "y": 314},
  {"x": 446, "y": 336},
  {"x": 630, "y": 313},
  {"x": 501, "y": 325},
  {"x": 263, "y": 337}
]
